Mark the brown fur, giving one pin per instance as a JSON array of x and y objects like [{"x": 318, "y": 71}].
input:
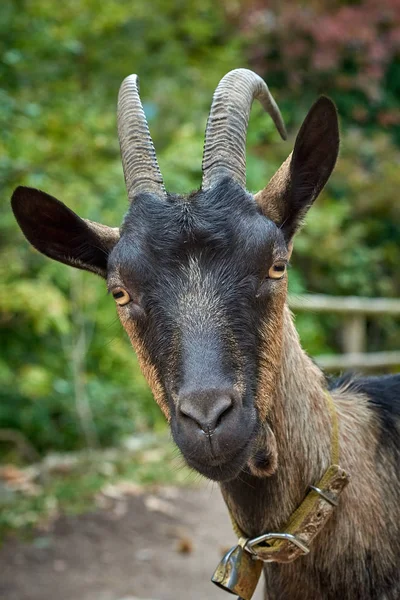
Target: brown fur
[
  {"x": 270, "y": 351},
  {"x": 147, "y": 367},
  {"x": 270, "y": 198},
  {"x": 301, "y": 425}
]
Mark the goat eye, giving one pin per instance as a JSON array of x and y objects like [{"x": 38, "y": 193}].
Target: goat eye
[
  {"x": 277, "y": 270},
  {"x": 121, "y": 296}
]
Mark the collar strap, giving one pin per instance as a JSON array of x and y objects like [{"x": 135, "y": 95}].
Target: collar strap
[{"x": 303, "y": 526}]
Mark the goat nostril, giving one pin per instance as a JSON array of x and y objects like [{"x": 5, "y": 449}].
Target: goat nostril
[
  {"x": 222, "y": 414},
  {"x": 207, "y": 411},
  {"x": 190, "y": 415}
]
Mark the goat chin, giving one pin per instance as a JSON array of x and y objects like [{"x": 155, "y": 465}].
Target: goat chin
[{"x": 225, "y": 469}]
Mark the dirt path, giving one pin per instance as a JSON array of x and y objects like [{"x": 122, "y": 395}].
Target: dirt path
[{"x": 163, "y": 546}]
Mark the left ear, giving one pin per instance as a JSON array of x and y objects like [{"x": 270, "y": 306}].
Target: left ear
[
  {"x": 297, "y": 183},
  {"x": 56, "y": 231}
]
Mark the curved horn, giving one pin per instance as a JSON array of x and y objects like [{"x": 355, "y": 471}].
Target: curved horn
[
  {"x": 139, "y": 161},
  {"x": 225, "y": 141}
]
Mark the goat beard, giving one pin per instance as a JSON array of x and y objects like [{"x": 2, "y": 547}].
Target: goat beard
[{"x": 264, "y": 461}]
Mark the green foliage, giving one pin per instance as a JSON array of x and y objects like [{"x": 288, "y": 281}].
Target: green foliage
[{"x": 68, "y": 377}]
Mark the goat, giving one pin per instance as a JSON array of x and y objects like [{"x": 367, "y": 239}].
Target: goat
[{"x": 200, "y": 287}]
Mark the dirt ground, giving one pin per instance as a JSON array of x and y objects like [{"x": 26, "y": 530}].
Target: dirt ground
[{"x": 159, "y": 546}]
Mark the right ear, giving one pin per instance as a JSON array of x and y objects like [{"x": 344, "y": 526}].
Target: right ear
[
  {"x": 56, "y": 231},
  {"x": 297, "y": 183}
]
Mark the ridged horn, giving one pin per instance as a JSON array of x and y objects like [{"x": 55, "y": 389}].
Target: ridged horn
[
  {"x": 225, "y": 140},
  {"x": 139, "y": 161}
]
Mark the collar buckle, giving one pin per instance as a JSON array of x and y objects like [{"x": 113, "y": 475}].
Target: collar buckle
[
  {"x": 332, "y": 500},
  {"x": 289, "y": 537}
]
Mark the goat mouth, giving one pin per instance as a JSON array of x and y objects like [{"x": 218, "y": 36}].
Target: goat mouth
[{"x": 224, "y": 468}]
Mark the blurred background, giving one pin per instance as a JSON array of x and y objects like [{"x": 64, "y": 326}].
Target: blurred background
[{"x": 69, "y": 380}]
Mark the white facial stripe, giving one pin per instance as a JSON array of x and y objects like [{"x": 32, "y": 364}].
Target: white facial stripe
[{"x": 200, "y": 302}]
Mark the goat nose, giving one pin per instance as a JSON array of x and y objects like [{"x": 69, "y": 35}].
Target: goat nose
[{"x": 206, "y": 409}]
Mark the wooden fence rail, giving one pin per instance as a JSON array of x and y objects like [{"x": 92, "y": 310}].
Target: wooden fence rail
[{"x": 354, "y": 310}]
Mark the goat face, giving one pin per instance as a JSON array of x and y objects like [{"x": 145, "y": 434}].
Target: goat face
[
  {"x": 197, "y": 274},
  {"x": 199, "y": 281}
]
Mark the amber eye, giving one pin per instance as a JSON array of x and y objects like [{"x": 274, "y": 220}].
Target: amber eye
[
  {"x": 277, "y": 270},
  {"x": 121, "y": 296}
]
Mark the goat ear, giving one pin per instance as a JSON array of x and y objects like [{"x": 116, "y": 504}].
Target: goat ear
[
  {"x": 56, "y": 231},
  {"x": 297, "y": 183}
]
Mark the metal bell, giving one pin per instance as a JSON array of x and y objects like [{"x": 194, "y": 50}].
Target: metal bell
[{"x": 238, "y": 572}]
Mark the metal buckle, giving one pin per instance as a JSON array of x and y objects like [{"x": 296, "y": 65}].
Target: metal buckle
[
  {"x": 289, "y": 537},
  {"x": 325, "y": 495}
]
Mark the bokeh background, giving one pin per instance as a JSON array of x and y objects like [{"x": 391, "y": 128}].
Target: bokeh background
[{"x": 68, "y": 377}]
